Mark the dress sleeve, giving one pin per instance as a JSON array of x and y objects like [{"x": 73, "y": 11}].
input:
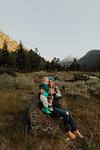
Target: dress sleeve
[{"x": 58, "y": 93}]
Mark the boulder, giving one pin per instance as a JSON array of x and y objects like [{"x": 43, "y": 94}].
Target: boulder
[
  {"x": 6, "y": 78},
  {"x": 93, "y": 78},
  {"x": 64, "y": 77},
  {"x": 41, "y": 123}
]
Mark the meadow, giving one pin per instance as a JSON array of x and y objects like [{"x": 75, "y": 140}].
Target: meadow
[{"x": 81, "y": 97}]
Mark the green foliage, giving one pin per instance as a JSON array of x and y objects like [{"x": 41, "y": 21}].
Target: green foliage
[
  {"x": 27, "y": 61},
  {"x": 4, "y": 56},
  {"x": 81, "y": 77},
  {"x": 54, "y": 65},
  {"x": 33, "y": 60},
  {"x": 98, "y": 76},
  {"x": 12, "y": 57},
  {"x": 8, "y": 71},
  {"x": 74, "y": 66},
  {"x": 21, "y": 57}
]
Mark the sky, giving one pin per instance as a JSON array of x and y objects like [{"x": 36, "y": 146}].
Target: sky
[{"x": 57, "y": 27}]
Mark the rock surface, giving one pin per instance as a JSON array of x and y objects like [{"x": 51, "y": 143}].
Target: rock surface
[
  {"x": 65, "y": 77},
  {"x": 41, "y": 123},
  {"x": 12, "y": 45},
  {"x": 6, "y": 78}
]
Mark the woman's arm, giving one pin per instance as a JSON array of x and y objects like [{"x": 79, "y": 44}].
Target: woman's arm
[
  {"x": 57, "y": 97},
  {"x": 58, "y": 93}
]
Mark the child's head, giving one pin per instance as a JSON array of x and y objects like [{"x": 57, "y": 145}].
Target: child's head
[{"x": 45, "y": 80}]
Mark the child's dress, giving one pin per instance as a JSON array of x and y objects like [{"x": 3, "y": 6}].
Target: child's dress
[{"x": 43, "y": 97}]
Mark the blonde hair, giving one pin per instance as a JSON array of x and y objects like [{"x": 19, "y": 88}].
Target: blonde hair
[{"x": 44, "y": 78}]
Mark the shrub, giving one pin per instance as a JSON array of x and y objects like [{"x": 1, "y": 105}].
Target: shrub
[
  {"x": 81, "y": 77},
  {"x": 8, "y": 71},
  {"x": 80, "y": 88},
  {"x": 98, "y": 76}
]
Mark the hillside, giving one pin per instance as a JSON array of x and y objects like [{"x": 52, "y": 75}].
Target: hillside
[
  {"x": 12, "y": 45},
  {"x": 67, "y": 60},
  {"x": 91, "y": 59}
]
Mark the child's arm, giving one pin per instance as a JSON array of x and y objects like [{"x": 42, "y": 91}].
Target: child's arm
[
  {"x": 41, "y": 91},
  {"x": 51, "y": 92}
]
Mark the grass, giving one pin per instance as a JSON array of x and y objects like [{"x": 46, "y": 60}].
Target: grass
[
  {"x": 13, "y": 115},
  {"x": 87, "y": 115},
  {"x": 80, "y": 89},
  {"x": 14, "y": 104}
]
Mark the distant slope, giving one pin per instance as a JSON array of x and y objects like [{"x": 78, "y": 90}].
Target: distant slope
[
  {"x": 12, "y": 45},
  {"x": 67, "y": 60},
  {"x": 91, "y": 59}
]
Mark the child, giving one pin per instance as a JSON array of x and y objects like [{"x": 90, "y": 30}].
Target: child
[{"x": 43, "y": 96}]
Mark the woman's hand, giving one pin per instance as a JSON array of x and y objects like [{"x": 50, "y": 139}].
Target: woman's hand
[{"x": 52, "y": 91}]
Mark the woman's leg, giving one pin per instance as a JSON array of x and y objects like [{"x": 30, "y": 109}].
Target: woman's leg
[
  {"x": 59, "y": 112},
  {"x": 69, "y": 120}
]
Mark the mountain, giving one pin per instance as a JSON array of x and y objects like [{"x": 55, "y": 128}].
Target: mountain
[
  {"x": 67, "y": 60},
  {"x": 12, "y": 45},
  {"x": 91, "y": 59}
]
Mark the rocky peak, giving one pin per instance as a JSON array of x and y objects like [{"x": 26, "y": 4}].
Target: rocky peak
[{"x": 12, "y": 45}]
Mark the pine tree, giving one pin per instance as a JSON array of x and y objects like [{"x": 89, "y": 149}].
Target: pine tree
[
  {"x": 5, "y": 61},
  {"x": 74, "y": 66},
  {"x": 54, "y": 64},
  {"x": 0, "y": 57},
  {"x": 33, "y": 60},
  {"x": 12, "y": 56},
  {"x": 48, "y": 66},
  {"x": 21, "y": 58}
]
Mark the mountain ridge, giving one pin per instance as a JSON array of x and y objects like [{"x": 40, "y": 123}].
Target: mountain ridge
[
  {"x": 68, "y": 60},
  {"x": 91, "y": 59},
  {"x": 12, "y": 45}
]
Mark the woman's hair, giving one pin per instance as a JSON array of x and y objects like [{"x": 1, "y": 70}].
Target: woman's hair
[
  {"x": 52, "y": 86},
  {"x": 44, "y": 78}
]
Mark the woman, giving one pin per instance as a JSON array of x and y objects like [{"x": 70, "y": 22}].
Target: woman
[{"x": 58, "y": 111}]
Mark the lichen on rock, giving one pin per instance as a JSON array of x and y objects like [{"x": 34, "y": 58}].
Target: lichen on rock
[{"x": 41, "y": 123}]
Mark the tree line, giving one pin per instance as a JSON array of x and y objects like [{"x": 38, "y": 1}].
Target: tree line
[{"x": 26, "y": 61}]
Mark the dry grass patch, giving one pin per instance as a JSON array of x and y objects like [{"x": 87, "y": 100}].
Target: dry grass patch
[
  {"x": 87, "y": 117},
  {"x": 13, "y": 115},
  {"x": 14, "y": 104}
]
